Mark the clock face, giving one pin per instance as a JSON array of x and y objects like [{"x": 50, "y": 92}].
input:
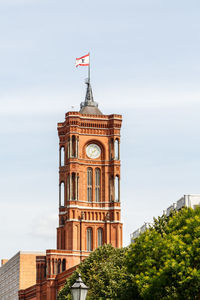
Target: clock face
[{"x": 93, "y": 151}]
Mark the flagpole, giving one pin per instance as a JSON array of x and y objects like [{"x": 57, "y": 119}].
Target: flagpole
[{"x": 89, "y": 69}]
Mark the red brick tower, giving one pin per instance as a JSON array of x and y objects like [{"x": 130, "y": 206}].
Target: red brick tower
[
  {"x": 89, "y": 179},
  {"x": 89, "y": 196}
]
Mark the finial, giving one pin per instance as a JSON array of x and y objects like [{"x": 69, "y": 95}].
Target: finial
[
  {"x": 89, "y": 106},
  {"x": 89, "y": 95},
  {"x": 89, "y": 100}
]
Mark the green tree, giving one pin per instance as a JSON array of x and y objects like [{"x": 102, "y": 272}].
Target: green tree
[
  {"x": 165, "y": 260},
  {"x": 105, "y": 273}
]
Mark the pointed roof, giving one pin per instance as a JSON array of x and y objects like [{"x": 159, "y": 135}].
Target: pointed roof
[{"x": 89, "y": 106}]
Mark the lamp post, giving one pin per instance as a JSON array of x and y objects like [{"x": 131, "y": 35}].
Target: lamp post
[{"x": 79, "y": 289}]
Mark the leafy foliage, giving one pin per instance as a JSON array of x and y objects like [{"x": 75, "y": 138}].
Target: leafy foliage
[
  {"x": 105, "y": 273},
  {"x": 163, "y": 264},
  {"x": 165, "y": 260}
]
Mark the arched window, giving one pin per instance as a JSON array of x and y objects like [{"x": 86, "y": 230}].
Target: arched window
[
  {"x": 100, "y": 237},
  {"x": 62, "y": 156},
  {"x": 89, "y": 239},
  {"x": 89, "y": 185},
  {"x": 117, "y": 149},
  {"x": 63, "y": 264},
  {"x": 97, "y": 185},
  {"x": 62, "y": 194},
  {"x": 117, "y": 188}
]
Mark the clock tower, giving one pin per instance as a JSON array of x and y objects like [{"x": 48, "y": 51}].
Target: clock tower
[
  {"x": 89, "y": 195},
  {"x": 89, "y": 180}
]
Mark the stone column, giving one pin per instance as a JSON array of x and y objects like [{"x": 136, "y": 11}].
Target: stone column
[
  {"x": 113, "y": 187},
  {"x": 70, "y": 190},
  {"x": 107, "y": 228},
  {"x": 59, "y": 194},
  {"x": 68, "y": 187},
  {"x": 110, "y": 189},
  {"x": 113, "y": 149},
  {"x": 76, "y": 186},
  {"x": 94, "y": 238},
  {"x": 110, "y": 151},
  {"x": 60, "y": 157},
  {"x": 54, "y": 266},
  {"x": 77, "y": 147},
  {"x": 118, "y": 189},
  {"x": 70, "y": 146}
]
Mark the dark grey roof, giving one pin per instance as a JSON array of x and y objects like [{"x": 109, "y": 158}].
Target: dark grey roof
[
  {"x": 90, "y": 110},
  {"x": 89, "y": 106}
]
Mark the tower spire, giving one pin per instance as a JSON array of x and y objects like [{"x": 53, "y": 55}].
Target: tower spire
[
  {"x": 89, "y": 106},
  {"x": 89, "y": 96}
]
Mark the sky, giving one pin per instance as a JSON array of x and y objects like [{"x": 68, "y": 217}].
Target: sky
[{"x": 144, "y": 65}]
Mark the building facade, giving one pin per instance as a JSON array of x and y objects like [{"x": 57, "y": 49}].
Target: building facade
[
  {"x": 17, "y": 273},
  {"x": 89, "y": 195}
]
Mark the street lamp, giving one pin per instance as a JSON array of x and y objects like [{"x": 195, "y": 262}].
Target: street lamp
[{"x": 79, "y": 289}]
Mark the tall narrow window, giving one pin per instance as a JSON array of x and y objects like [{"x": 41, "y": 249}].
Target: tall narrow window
[
  {"x": 116, "y": 188},
  {"x": 97, "y": 185},
  {"x": 63, "y": 264},
  {"x": 89, "y": 185},
  {"x": 62, "y": 194},
  {"x": 73, "y": 186},
  {"x": 73, "y": 146},
  {"x": 111, "y": 188},
  {"x": 62, "y": 156},
  {"x": 77, "y": 187},
  {"x": 89, "y": 239},
  {"x": 58, "y": 265},
  {"x": 68, "y": 148},
  {"x": 117, "y": 149},
  {"x": 77, "y": 146},
  {"x": 45, "y": 271},
  {"x": 100, "y": 237},
  {"x": 68, "y": 187},
  {"x": 110, "y": 149}
]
